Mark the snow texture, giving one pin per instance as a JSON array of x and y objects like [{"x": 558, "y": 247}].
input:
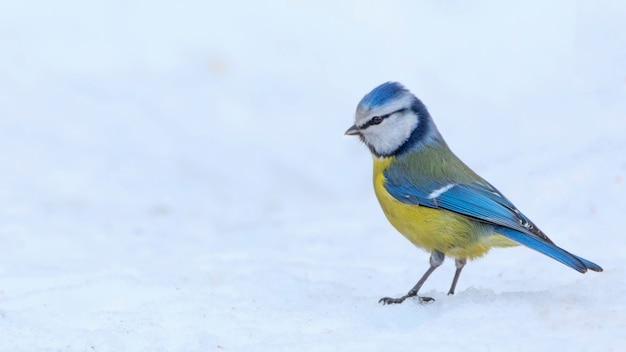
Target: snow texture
[{"x": 174, "y": 175}]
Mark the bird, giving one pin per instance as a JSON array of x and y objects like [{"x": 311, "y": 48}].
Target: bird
[{"x": 434, "y": 199}]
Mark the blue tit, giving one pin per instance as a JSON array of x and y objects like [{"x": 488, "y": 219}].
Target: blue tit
[{"x": 430, "y": 196}]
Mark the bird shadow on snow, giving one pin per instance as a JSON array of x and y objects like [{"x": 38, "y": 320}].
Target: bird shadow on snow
[
  {"x": 544, "y": 305},
  {"x": 488, "y": 297},
  {"x": 475, "y": 296}
]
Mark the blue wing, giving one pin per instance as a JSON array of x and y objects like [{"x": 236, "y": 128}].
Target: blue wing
[{"x": 482, "y": 202}]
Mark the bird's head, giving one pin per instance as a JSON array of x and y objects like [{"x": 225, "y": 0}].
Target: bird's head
[{"x": 389, "y": 120}]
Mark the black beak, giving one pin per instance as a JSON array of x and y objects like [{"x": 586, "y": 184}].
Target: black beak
[{"x": 353, "y": 131}]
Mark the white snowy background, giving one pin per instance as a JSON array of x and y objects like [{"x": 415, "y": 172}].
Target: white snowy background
[{"x": 174, "y": 175}]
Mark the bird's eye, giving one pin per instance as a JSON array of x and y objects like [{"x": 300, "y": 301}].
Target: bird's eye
[{"x": 376, "y": 120}]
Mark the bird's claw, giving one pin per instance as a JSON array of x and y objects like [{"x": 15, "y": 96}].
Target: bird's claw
[{"x": 389, "y": 300}]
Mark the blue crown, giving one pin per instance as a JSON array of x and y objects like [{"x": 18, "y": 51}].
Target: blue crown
[{"x": 382, "y": 94}]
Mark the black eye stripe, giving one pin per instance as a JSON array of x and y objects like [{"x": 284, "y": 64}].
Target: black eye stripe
[{"x": 376, "y": 120}]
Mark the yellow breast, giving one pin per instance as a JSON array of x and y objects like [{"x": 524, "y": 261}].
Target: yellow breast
[{"x": 453, "y": 234}]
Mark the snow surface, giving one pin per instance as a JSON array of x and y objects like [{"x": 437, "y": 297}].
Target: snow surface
[{"x": 175, "y": 176}]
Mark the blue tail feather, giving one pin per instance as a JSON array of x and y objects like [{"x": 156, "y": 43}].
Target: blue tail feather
[
  {"x": 549, "y": 249},
  {"x": 590, "y": 265}
]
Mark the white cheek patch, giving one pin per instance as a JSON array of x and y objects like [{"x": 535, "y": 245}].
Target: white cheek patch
[{"x": 392, "y": 133}]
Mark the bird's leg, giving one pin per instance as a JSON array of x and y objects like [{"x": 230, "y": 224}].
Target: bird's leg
[
  {"x": 459, "y": 263},
  {"x": 436, "y": 259}
]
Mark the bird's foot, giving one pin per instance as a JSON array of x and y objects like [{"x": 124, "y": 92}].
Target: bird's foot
[{"x": 389, "y": 300}]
